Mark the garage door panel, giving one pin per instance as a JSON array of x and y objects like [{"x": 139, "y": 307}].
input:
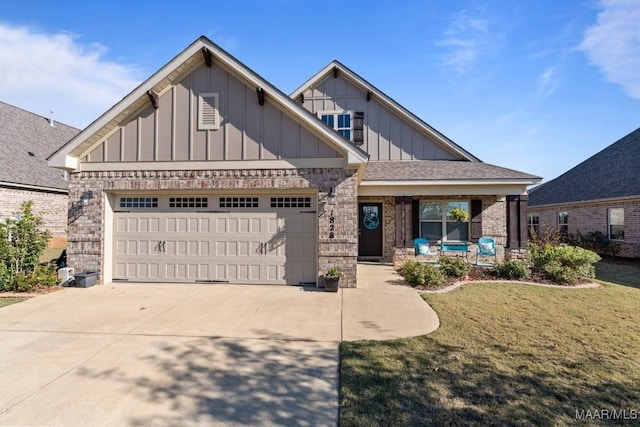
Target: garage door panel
[{"x": 241, "y": 245}]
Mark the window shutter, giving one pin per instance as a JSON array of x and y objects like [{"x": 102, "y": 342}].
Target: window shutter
[
  {"x": 358, "y": 128},
  {"x": 208, "y": 116},
  {"x": 415, "y": 218},
  {"x": 476, "y": 219}
]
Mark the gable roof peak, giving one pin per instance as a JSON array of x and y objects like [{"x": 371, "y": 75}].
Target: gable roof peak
[
  {"x": 68, "y": 156},
  {"x": 386, "y": 100}
]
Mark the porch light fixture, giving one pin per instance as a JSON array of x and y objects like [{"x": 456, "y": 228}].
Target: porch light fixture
[
  {"x": 332, "y": 197},
  {"x": 86, "y": 196}
]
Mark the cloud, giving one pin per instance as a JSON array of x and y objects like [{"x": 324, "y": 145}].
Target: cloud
[
  {"x": 547, "y": 82},
  {"x": 613, "y": 44},
  {"x": 55, "y": 72},
  {"x": 467, "y": 39}
]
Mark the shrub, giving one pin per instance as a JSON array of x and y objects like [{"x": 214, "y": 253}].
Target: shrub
[
  {"x": 453, "y": 266},
  {"x": 564, "y": 263},
  {"x": 596, "y": 241},
  {"x": 513, "y": 269},
  {"x": 22, "y": 242},
  {"x": 419, "y": 274}
]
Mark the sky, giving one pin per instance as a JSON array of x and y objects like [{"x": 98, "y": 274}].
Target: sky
[{"x": 533, "y": 85}]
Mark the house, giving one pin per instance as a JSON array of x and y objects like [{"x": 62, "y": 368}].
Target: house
[
  {"x": 26, "y": 139},
  {"x": 206, "y": 172},
  {"x": 600, "y": 195}
]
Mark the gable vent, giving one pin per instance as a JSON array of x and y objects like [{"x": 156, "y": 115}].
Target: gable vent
[{"x": 208, "y": 115}]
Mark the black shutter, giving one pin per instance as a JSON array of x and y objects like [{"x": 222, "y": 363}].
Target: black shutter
[
  {"x": 512, "y": 222},
  {"x": 415, "y": 218},
  {"x": 358, "y": 128},
  {"x": 476, "y": 219}
]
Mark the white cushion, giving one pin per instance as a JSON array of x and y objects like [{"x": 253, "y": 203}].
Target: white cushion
[
  {"x": 423, "y": 249},
  {"x": 486, "y": 247}
]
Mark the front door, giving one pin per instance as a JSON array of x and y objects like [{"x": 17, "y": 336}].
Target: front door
[{"x": 370, "y": 229}]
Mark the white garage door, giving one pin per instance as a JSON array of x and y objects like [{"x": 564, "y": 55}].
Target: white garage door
[{"x": 228, "y": 239}]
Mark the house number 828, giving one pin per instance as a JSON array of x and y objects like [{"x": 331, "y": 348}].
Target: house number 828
[{"x": 332, "y": 226}]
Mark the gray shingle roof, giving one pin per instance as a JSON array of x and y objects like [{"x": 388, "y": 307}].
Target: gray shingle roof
[
  {"x": 22, "y": 132},
  {"x": 611, "y": 173},
  {"x": 434, "y": 170}
]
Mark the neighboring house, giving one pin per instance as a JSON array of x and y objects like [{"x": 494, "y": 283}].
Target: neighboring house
[
  {"x": 26, "y": 139},
  {"x": 207, "y": 172},
  {"x": 601, "y": 194}
]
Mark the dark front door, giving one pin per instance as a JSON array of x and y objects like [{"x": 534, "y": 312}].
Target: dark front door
[{"x": 370, "y": 229}]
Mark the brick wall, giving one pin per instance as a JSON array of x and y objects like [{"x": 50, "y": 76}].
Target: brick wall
[
  {"x": 494, "y": 224},
  {"x": 593, "y": 216},
  {"x": 51, "y": 207},
  {"x": 86, "y": 223}
]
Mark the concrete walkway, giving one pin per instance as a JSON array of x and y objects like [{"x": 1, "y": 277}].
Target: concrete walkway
[{"x": 126, "y": 354}]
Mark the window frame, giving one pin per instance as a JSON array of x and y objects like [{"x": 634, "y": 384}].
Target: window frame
[
  {"x": 533, "y": 225},
  {"x": 563, "y": 227},
  {"x": 610, "y": 234},
  {"x": 335, "y": 127},
  {"x": 445, "y": 219}
]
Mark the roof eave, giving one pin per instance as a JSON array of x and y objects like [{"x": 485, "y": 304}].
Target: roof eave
[{"x": 451, "y": 182}]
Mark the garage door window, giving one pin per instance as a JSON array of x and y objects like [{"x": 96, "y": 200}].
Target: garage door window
[
  {"x": 291, "y": 202},
  {"x": 238, "y": 202},
  {"x": 138, "y": 202},
  {"x": 188, "y": 202}
]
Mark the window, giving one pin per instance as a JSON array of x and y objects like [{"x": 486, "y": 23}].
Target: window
[
  {"x": 534, "y": 224},
  {"x": 341, "y": 122},
  {"x": 291, "y": 202},
  {"x": 616, "y": 223},
  {"x": 238, "y": 202},
  {"x": 563, "y": 225},
  {"x": 188, "y": 202},
  {"x": 208, "y": 113},
  {"x": 436, "y": 222},
  {"x": 138, "y": 202}
]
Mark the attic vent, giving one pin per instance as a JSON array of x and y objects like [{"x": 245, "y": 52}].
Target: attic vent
[
  {"x": 31, "y": 153},
  {"x": 208, "y": 116}
]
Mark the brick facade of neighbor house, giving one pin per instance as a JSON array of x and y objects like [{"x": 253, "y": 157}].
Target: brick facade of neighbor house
[
  {"x": 593, "y": 216},
  {"x": 51, "y": 207},
  {"x": 87, "y": 228}
]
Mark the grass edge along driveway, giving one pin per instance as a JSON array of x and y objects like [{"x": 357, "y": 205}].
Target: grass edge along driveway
[{"x": 505, "y": 354}]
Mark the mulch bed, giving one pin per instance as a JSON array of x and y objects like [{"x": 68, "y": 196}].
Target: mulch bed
[{"x": 489, "y": 274}]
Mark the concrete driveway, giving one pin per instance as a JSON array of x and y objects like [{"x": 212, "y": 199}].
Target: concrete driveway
[{"x": 127, "y": 354}]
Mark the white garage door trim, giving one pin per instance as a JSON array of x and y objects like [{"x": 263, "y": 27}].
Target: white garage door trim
[{"x": 252, "y": 239}]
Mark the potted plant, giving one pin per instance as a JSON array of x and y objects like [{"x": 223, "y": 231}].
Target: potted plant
[
  {"x": 459, "y": 215},
  {"x": 332, "y": 279}
]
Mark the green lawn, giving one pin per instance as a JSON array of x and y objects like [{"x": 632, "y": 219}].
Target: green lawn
[
  {"x": 9, "y": 301},
  {"x": 504, "y": 355},
  {"x": 619, "y": 270}
]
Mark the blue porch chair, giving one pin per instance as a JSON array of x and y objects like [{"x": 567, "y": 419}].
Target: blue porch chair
[
  {"x": 487, "y": 248},
  {"x": 423, "y": 249}
]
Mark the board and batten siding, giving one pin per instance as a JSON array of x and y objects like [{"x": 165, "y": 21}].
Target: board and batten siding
[
  {"x": 386, "y": 135},
  {"x": 248, "y": 130}
]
